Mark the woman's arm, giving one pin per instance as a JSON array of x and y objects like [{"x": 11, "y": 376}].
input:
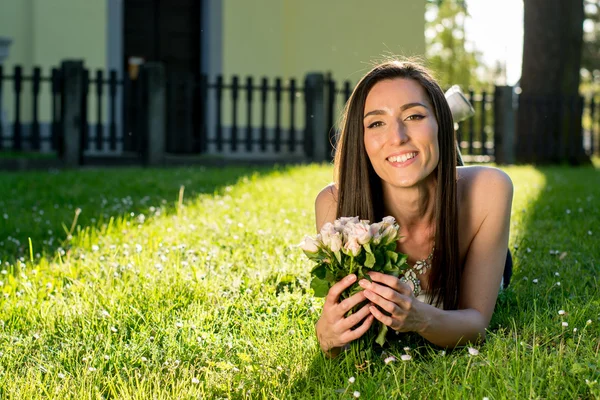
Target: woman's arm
[{"x": 482, "y": 273}]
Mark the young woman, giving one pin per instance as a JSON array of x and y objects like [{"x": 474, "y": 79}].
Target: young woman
[{"x": 396, "y": 156}]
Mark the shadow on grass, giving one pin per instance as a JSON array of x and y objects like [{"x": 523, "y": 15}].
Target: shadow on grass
[
  {"x": 42, "y": 205},
  {"x": 555, "y": 249}
]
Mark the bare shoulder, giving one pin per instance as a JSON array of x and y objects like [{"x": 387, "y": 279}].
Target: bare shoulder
[
  {"x": 484, "y": 185},
  {"x": 326, "y": 205}
]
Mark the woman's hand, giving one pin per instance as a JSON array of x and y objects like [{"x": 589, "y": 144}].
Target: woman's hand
[
  {"x": 333, "y": 329},
  {"x": 396, "y": 298}
]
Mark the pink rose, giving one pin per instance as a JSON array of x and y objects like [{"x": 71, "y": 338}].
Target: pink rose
[
  {"x": 352, "y": 247},
  {"x": 362, "y": 232},
  {"x": 327, "y": 231},
  {"x": 341, "y": 222}
]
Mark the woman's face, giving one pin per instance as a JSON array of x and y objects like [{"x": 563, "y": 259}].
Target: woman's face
[{"x": 401, "y": 132}]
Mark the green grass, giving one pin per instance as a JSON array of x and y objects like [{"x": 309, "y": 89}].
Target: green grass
[
  {"x": 30, "y": 155},
  {"x": 208, "y": 297}
]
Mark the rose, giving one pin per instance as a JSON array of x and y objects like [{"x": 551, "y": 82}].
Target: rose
[
  {"x": 388, "y": 221},
  {"x": 327, "y": 232},
  {"x": 310, "y": 245},
  {"x": 375, "y": 231},
  {"x": 341, "y": 222},
  {"x": 389, "y": 234},
  {"x": 335, "y": 243},
  {"x": 362, "y": 232},
  {"x": 352, "y": 247}
]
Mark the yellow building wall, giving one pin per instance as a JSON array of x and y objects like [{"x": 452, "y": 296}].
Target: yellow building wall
[
  {"x": 45, "y": 32},
  {"x": 289, "y": 38}
]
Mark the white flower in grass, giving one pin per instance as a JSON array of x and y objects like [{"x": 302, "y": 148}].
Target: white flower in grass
[
  {"x": 91, "y": 369},
  {"x": 568, "y": 211},
  {"x": 535, "y": 281},
  {"x": 95, "y": 248},
  {"x": 144, "y": 359},
  {"x": 406, "y": 348},
  {"x": 105, "y": 314},
  {"x": 195, "y": 380},
  {"x": 356, "y": 394},
  {"x": 557, "y": 283},
  {"x": 405, "y": 357},
  {"x": 61, "y": 375},
  {"x": 389, "y": 359},
  {"x": 473, "y": 351},
  {"x": 113, "y": 329},
  {"x": 443, "y": 353},
  {"x": 588, "y": 322},
  {"x": 561, "y": 312},
  {"x": 351, "y": 379},
  {"x": 574, "y": 330},
  {"x": 564, "y": 324},
  {"x": 106, "y": 357},
  {"x": 179, "y": 325},
  {"x": 556, "y": 274},
  {"x": 590, "y": 233},
  {"x": 486, "y": 398}
]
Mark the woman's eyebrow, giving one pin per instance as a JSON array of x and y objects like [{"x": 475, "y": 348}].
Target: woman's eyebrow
[{"x": 402, "y": 108}]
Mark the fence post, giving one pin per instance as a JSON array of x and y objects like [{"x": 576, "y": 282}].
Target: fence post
[
  {"x": 316, "y": 133},
  {"x": 504, "y": 125},
  {"x": 70, "y": 149},
  {"x": 154, "y": 113}
]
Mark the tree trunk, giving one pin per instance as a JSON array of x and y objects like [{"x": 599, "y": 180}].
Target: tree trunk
[{"x": 550, "y": 107}]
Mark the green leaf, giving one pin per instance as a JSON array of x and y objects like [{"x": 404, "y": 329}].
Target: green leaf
[
  {"x": 367, "y": 248},
  {"x": 320, "y": 286},
  {"x": 381, "y": 336},
  {"x": 402, "y": 259},
  {"x": 392, "y": 255},
  {"x": 338, "y": 256},
  {"x": 320, "y": 271},
  {"x": 370, "y": 260}
]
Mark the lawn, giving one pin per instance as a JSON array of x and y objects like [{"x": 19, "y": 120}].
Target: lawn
[{"x": 187, "y": 283}]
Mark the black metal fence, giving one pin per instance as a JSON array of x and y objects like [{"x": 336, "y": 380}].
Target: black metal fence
[
  {"x": 231, "y": 116},
  {"x": 238, "y": 115}
]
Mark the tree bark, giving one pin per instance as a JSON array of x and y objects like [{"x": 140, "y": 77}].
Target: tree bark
[{"x": 550, "y": 107}]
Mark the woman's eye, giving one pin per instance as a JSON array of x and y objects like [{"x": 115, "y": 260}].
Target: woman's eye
[
  {"x": 375, "y": 124},
  {"x": 415, "y": 117}
]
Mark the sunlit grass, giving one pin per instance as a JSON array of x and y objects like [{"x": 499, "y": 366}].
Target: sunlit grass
[{"x": 208, "y": 296}]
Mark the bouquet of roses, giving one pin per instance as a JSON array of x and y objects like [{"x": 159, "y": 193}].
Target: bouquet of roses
[{"x": 353, "y": 246}]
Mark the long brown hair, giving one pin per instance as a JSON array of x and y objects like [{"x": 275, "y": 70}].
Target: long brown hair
[{"x": 360, "y": 191}]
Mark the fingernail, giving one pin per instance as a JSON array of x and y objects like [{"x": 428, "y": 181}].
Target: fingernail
[
  {"x": 364, "y": 283},
  {"x": 351, "y": 278}
]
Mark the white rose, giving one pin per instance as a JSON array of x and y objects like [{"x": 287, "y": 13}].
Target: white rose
[
  {"x": 310, "y": 245},
  {"x": 335, "y": 243}
]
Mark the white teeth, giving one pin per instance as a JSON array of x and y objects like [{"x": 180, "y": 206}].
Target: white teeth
[{"x": 402, "y": 158}]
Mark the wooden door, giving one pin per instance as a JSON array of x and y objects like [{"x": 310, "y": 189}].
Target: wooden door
[{"x": 168, "y": 31}]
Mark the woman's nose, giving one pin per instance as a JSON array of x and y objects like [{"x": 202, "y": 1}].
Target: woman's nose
[{"x": 399, "y": 133}]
